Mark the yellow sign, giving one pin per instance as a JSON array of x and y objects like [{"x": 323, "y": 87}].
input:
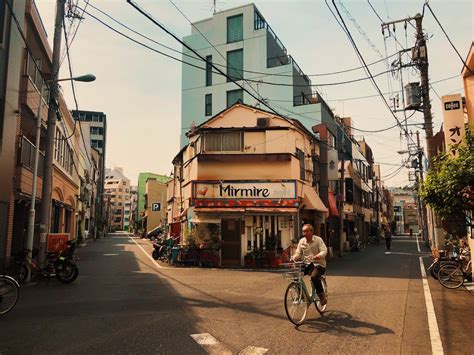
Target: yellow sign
[{"x": 453, "y": 122}]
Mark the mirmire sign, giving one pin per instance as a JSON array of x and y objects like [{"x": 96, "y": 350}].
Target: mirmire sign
[{"x": 245, "y": 190}]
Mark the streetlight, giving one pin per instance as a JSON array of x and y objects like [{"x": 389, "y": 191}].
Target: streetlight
[{"x": 31, "y": 217}]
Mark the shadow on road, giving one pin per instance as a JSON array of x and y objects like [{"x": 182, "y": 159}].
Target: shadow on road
[{"x": 342, "y": 323}]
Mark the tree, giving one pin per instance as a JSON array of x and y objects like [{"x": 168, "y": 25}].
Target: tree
[{"x": 445, "y": 186}]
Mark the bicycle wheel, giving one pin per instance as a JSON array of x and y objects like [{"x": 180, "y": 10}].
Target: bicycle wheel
[
  {"x": 317, "y": 303},
  {"x": 296, "y": 303},
  {"x": 450, "y": 276},
  {"x": 9, "y": 293}
]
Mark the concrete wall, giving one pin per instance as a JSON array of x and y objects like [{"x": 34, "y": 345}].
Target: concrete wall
[
  {"x": 257, "y": 48},
  {"x": 11, "y": 52}
]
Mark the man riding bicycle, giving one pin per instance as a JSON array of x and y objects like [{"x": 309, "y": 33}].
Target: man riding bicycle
[{"x": 312, "y": 251}]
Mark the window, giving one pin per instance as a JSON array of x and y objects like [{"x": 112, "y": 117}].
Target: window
[
  {"x": 235, "y": 28},
  {"x": 259, "y": 21},
  {"x": 233, "y": 96},
  {"x": 124, "y": 183},
  {"x": 97, "y": 130},
  {"x": 208, "y": 105},
  {"x": 209, "y": 70},
  {"x": 235, "y": 64},
  {"x": 94, "y": 143},
  {"x": 223, "y": 141},
  {"x": 300, "y": 156},
  {"x": 95, "y": 117},
  {"x": 127, "y": 190}
]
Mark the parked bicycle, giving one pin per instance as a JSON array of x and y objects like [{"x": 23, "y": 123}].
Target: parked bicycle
[
  {"x": 452, "y": 276},
  {"x": 57, "y": 264},
  {"x": 441, "y": 258},
  {"x": 9, "y": 293},
  {"x": 297, "y": 297}
]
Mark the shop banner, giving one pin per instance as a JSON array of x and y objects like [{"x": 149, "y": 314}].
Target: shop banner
[
  {"x": 57, "y": 242},
  {"x": 245, "y": 190},
  {"x": 333, "y": 168},
  {"x": 453, "y": 122}
]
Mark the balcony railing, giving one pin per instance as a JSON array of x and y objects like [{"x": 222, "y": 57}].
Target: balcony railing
[
  {"x": 278, "y": 61},
  {"x": 305, "y": 99},
  {"x": 27, "y": 156}
]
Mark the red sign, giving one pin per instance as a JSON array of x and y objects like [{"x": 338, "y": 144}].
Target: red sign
[{"x": 57, "y": 242}]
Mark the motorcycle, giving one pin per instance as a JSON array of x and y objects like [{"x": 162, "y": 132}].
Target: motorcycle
[
  {"x": 57, "y": 264},
  {"x": 355, "y": 243}
]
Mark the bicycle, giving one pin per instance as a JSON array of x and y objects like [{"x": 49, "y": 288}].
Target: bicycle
[
  {"x": 9, "y": 293},
  {"x": 297, "y": 298},
  {"x": 452, "y": 276}
]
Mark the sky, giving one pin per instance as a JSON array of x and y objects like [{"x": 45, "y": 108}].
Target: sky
[{"x": 140, "y": 91}]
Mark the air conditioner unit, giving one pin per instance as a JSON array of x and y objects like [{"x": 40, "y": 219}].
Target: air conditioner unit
[{"x": 263, "y": 122}]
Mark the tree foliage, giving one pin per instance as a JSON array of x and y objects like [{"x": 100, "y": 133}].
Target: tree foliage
[{"x": 445, "y": 186}]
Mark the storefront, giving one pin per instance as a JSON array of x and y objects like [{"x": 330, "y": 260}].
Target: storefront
[{"x": 255, "y": 220}]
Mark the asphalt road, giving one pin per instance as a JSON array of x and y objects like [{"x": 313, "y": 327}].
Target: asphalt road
[{"x": 123, "y": 302}]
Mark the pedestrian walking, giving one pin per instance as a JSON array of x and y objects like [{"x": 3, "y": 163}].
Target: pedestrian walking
[{"x": 388, "y": 238}]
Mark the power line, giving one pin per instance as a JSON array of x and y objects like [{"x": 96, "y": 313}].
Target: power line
[
  {"x": 74, "y": 94},
  {"x": 197, "y": 54},
  {"x": 368, "y": 70},
  {"x": 447, "y": 37},
  {"x": 214, "y": 46}
]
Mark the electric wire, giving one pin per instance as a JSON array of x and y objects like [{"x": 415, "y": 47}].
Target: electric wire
[{"x": 447, "y": 37}]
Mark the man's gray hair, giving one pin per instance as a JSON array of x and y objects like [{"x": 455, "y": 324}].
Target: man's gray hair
[{"x": 309, "y": 226}]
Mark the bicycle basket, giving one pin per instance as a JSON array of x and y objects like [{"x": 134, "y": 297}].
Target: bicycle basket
[{"x": 292, "y": 271}]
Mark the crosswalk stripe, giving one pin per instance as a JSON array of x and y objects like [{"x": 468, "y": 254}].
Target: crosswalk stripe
[{"x": 211, "y": 344}]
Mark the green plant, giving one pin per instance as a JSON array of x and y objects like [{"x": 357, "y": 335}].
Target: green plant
[
  {"x": 214, "y": 232},
  {"x": 444, "y": 186}
]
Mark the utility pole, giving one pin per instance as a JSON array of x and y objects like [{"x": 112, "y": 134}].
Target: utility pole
[
  {"x": 30, "y": 235},
  {"x": 422, "y": 207},
  {"x": 45, "y": 208},
  {"x": 422, "y": 60},
  {"x": 342, "y": 193}
]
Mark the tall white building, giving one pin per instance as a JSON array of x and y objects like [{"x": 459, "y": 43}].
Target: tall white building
[
  {"x": 242, "y": 44},
  {"x": 117, "y": 186}
]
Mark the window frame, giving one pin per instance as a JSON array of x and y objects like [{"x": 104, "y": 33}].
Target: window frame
[
  {"x": 230, "y": 18},
  {"x": 230, "y": 69},
  {"x": 208, "y": 70},
  {"x": 227, "y": 97},
  {"x": 208, "y": 105}
]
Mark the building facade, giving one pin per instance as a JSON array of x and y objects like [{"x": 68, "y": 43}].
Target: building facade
[
  {"x": 117, "y": 186},
  {"x": 246, "y": 177},
  {"x": 142, "y": 179},
  {"x": 155, "y": 204},
  {"x": 35, "y": 69},
  {"x": 11, "y": 54},
  {"x": 241, "y": 43}
]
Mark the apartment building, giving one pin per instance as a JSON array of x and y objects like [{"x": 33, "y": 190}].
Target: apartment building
[
  {"x": 155, "y": 204},
  {"x": 142, "y": 181},
  {"x": 242, "y": 44},
  {"x": 117, "y": 187}
]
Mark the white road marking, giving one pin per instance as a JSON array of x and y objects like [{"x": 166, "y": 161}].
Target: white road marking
[
  {"x": 210, "y": 344},
  {"x": 147, "y": 254},
  {"x": 436, "y": 344},
  {"x": 418, "y": 244},
  {"x": 253, "y": 350},
  {"x": 114, "y": 254}
]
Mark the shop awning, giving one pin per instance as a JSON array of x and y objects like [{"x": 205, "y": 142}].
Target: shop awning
[
  {"x": 204, "y": 219},
  {"x": 218, "y": 209},
  {"x": 333, "y": 212},
  {"x": 272, "y": 210},
  {"x": 311, "y": 200}
]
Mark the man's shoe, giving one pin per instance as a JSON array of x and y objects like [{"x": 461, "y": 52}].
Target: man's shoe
[{"x": 322, "y": 299}]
